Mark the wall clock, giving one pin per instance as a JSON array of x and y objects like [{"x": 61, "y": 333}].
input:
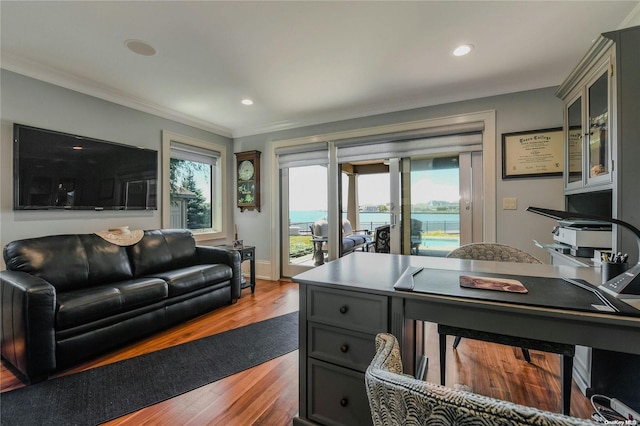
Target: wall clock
[{"x": 248, "y": 180}]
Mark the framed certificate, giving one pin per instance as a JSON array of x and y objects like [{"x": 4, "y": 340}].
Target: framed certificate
[{"x": 533, "y": 153}]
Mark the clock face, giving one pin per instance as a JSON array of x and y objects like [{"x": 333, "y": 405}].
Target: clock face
[{"x": 245, "y": 170}]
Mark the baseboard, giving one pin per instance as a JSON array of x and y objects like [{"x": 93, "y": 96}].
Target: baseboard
[{"x": 263, "y": 270}]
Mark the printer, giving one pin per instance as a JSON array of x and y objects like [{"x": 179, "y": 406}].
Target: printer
[{"x": 582, "y": 237}]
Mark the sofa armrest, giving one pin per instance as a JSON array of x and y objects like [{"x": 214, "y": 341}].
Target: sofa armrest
[
  {"x": 28, "y": 324},
  {"x": 210, "y": 254}
]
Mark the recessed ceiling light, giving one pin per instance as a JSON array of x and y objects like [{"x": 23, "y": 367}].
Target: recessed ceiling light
[
  {"x": 462, "y": 50},
  {"x": 247, "y": 102},
  {"x": 140, "y": 47}
]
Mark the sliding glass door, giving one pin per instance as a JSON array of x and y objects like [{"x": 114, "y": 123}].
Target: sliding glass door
[
  {"x": 304, "y": 202},
  {"x": 431, "y": 196},
  {"x": 425, "y": 186},
  {"x": 426, "y": 203},
  {"x": 445, "y": 199}
]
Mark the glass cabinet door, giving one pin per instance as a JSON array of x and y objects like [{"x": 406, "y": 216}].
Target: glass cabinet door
[
  {"x": 587, "y": 136},
  {"x": 597, "y": 136},
  {"x": 574, "y": 143}
]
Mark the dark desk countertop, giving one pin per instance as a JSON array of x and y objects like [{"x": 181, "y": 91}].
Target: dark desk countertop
[{"x": 379, "y": 271}]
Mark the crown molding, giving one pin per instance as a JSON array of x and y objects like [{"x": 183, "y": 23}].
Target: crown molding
[
  {"x": 633, "y": 18},
  {"x": 386, "y": 108},
  {"x": 331, "y": 117},
  {"x": 38, "y": 71}
]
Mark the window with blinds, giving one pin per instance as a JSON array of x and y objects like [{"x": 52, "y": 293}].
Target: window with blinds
[{"x": 195, "y": 185}]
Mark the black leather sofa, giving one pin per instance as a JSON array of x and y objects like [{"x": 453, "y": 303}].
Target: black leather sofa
[{"x": 66, "y": 298}]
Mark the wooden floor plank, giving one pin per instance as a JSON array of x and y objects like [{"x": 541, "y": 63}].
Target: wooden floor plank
[{"x": 268, "y": 393}]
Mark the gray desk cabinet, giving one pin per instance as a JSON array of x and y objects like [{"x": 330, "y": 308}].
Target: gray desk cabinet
[
  {"x": 339, "y": 342},
  {"x": 346, "y": 302}
]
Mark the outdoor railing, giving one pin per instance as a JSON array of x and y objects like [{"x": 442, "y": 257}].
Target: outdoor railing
[{"x": 444, "y": 226}]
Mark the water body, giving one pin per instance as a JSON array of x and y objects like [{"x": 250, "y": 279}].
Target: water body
[{"x": 431, "y": 222}]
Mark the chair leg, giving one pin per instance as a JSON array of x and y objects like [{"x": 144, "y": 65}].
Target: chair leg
[
  {"x": 526, "y": 355},
  {"x": 443, "y": 357},
  {"x": 456, "y": 342},
  {"x": 566, "y": 375}
]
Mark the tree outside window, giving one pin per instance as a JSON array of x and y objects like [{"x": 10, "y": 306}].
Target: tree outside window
[
  {"x": 191, "y": 193},
  {"x": 194, "y": 189}
]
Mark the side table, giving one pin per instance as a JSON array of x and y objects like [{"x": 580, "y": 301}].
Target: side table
[{"x": 247, "y": 253}]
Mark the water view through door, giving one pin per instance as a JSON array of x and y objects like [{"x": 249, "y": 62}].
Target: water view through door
[
  {"x": 304, "y": 201},
  {"x": 432, "y": 193},
  {"x": 433, "y": 214},
  {"x": 431, "y": 201}
]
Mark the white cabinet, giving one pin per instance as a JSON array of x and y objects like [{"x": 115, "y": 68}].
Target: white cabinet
[{"x": 589, "y": 116}]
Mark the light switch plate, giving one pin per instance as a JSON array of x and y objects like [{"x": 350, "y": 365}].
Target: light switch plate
[{"x": 510, "y": 204}]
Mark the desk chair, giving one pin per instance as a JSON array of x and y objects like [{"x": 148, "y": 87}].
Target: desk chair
[
  {"x": 396, "y": 399},
  {"x": 503, "y": 253},
  {"x": 495, "y": 252}
]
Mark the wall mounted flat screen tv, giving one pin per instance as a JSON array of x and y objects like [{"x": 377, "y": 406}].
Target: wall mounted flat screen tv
[{"x": 54, "y": 170}]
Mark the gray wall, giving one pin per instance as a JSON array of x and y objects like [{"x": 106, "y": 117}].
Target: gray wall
[
  {"x": 530, "y": 110},
  {"x": 33, "y": 102}
]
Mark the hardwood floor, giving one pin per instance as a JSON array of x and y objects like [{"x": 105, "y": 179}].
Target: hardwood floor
[
  {"x": 268, "y": 394},
  {"x": 501, "y": 372},
  {"x": 264, "y": 395}
]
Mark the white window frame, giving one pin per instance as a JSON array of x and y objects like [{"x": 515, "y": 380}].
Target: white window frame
[{"x": 219, "y": 188}]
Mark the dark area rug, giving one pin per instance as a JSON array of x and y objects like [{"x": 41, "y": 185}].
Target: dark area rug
[{"x": 104, "y": 393}]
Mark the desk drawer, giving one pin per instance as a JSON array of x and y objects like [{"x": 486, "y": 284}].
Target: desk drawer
[
  {"x": 347, "y": 348},
  {"x": 337, "y": 396},
  {"x": 348, "y": 309}
]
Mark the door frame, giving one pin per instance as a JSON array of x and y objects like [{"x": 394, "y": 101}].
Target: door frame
[{"x": 488, "y": 175}]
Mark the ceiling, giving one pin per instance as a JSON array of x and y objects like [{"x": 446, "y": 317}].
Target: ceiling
[{"x": 301, "y": 62}]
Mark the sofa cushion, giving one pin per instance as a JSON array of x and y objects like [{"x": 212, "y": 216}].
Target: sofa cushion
[
  {"x": 347, "y": 244},
  {"x": 107, "y": 262},
  {"x": 163, "y": 250},
  {"x": 91, "y": 304},
  {"x": 360, "y": 239},
  {"x": 192, "y": 278},
  {"x": 69, "y": 262}
]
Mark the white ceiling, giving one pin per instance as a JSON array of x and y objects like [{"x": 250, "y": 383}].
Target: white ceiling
[{"x": 302, "y": 62}]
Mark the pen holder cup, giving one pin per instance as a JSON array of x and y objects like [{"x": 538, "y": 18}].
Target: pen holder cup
[{"x": 612, "y": 269}]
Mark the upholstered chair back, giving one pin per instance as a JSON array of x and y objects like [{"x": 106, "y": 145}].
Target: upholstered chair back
[
  {"x": 493, "y": 251},
  {"x": 396, "y": 399}
]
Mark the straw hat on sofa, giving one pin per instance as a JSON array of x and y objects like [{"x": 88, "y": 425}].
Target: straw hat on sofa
[{"x": 122, "y": 236}]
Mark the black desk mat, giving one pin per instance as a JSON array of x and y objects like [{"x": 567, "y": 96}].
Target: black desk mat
[{"x": 543, "y": 291}]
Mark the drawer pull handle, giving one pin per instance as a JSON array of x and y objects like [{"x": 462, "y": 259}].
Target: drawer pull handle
[
  {"x": 344, "y": 309},
  {"x": 344, "y": 348},
  {"x": 344, "y": 402}
]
